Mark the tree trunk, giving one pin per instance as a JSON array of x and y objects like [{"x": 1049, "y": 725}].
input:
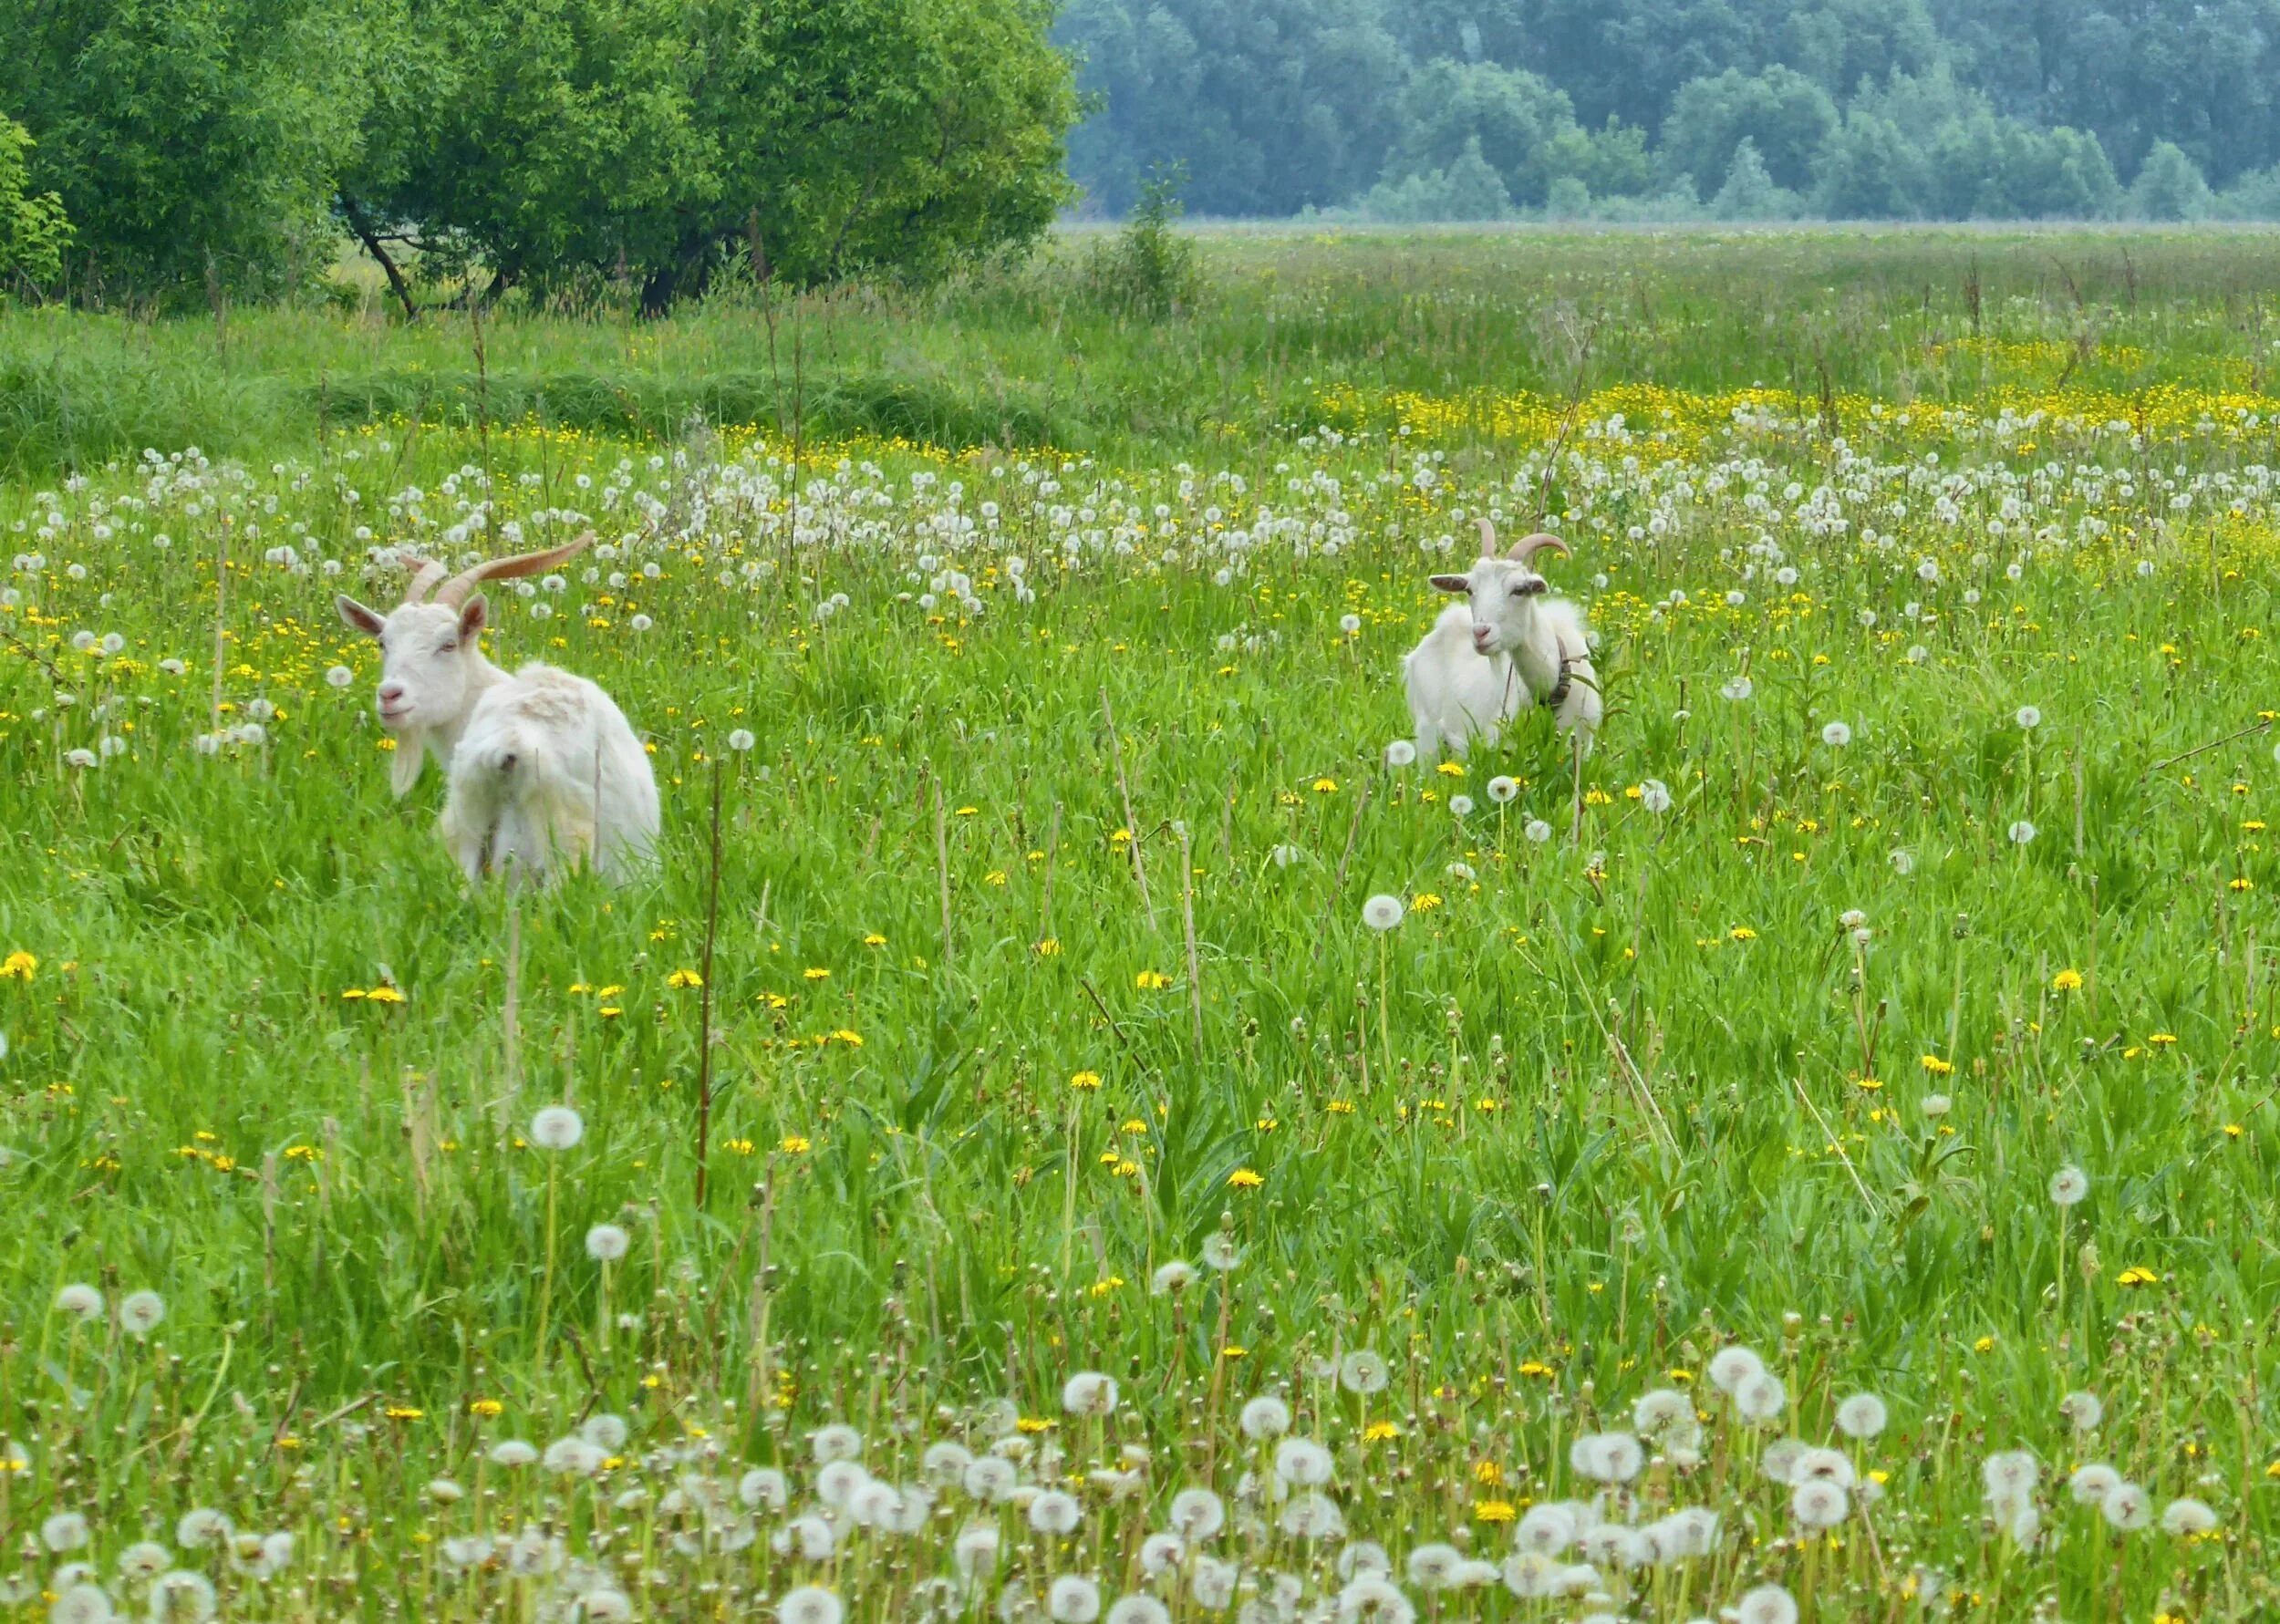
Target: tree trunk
[{"x": 373, "y": 246}]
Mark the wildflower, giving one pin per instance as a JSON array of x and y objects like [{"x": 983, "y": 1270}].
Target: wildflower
[
  {"x": 1072, "y": 1601},
  {"x": 17, "y": 967},
  {"x": 605, "y": 1242},
  {"x": 1400, "y": 753},
  {"x": 557, "y": 1128},
  {"x": 202, "y": 1526},
  {"x": 2137, "y": 1275},
  {"x": 1767, "y": 1603},
  {"x": 1935, "y": 1065},
  {"x": 1265, "y": 1417},
  {"x": 511, "y": 1452},
  {"x": 1837, "y": 734},
  {"x": 1424, "y": 901},
  {"x": 1325, "y": 786},
  {"x": 1935, "y": 1106},
  {"x": 1151, "y": 980},
  {"x": 1243, "y": 1178},
  {"x": 1761, "y": 1397},
  {"x": 1655, "y": 796},
  {"x": 809, "y": 1604},
  {"x": 1818, "y": 1504},
  {"x": 2022, "y": 832},
  {"x": 1197, "y": 1514},
  {"x": 2084, "y": 1410},
  {"x": 2091, "y": 1484},
  {"x": 1903, "y": 862},
  {"x": 794, "y": 1144},
  {"x": 1381, "y": 1431},
  {"x": 1537, "y": 831},
  {"x": 680, "y": 978},
  {"x": 384, "y": 995},
  {"x": 1302, "y": 1464},
  {"x": 1743, "y": 933},
  {"x": 1381, "y": 912},
  {"x": 816, "y": 975},
  {"x": 1089, "y": 1393},
  {"x": 741, "y": 740},
  {"x": 1737, "y": 688},
  {"x": 65, "y": 1531},
  {"x": 1089, "y": 1082},
  {"x": 83, "y": 1303},
  {"x": 1863, "y": 1415},
  {"x": 140, "y": 1313},
  {"x": 2188, "y": 1517},
  {"x": 1460, "y": 806},
  {"x": 1364, "y": 1371},
  {"x": 1730, "y": 1366},
  {"x": 1503, "y": 789},
  {"x": 182, "y": 1594},
  {"x": 143, "y": 1561},
  {"x": 2068, "y": 1185},
  {"x": 2128, "y": 1507},
  {"x": 83, "y": 1603},
  {"x": 2067, "y": 981},
  {"x": 1494, "y": 1511},
  {"x": 2029, "y": 718}
]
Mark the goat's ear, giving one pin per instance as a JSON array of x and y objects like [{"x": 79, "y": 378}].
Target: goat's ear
[
  {"x": 356, "y": 617},
  {"x": 474, "y": 617},
  {"x": 1451, "y": 582}
]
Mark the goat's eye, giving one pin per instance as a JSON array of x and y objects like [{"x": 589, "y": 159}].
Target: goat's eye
[{"x": 448, "y": 648}]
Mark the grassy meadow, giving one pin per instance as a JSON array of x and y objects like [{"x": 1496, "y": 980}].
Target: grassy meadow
[{"x": 1818, "y": 1161}]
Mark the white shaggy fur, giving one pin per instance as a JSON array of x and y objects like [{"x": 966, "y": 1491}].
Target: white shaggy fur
[
  {"x": 1499, "y": 652},
  {"x": 545, "y": 772}
]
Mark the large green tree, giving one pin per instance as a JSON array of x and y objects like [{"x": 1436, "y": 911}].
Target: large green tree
[
  {"x": 192, "y": 143},
  {"x": 34, "y": 229},
  {"x": 559, "y": 139}
]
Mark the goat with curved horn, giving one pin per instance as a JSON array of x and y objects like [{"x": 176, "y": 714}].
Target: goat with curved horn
[
  {"x": 1510, "y": 646},
  {"x": 1525, "y": 550},
  {"x": 544, "y": 769}
]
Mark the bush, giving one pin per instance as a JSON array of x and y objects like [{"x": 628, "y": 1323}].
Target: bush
[
  {"x": 1149, "y": 267},
  {"x": 34, "y": 231}
]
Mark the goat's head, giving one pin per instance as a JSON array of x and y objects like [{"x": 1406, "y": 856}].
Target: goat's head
[
  {"x": 1503, "y": 588},
  {"x": 429, "y": 649}
]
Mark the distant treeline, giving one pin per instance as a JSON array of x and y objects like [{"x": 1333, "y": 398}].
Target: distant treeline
[
  {"x": 205, "y": 149},
  {"x": 1738, "y": 110}
]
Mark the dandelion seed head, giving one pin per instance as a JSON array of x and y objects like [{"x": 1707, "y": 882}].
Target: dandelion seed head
[{"x": 557, "y": 1128}]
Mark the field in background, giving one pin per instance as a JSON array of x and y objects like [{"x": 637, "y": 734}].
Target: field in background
[{"x": 1894, "y": 1001}]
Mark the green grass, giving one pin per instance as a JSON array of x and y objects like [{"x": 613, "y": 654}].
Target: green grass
[{"x": 1603, "y": 1103}]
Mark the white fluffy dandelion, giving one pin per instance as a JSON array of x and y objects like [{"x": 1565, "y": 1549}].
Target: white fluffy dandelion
[
  {"x": 2029, "y": 718},
  {"x": 82, "y": 1302},
  {"x": 1400, "y": 753},
  {"x": 141, "y": 1311},
  {"x": 1761, "y": 1397},
  {"x": 1767, "y": 1603},
  {"x": 1266, "y": 1417},
  {"x": 557, "y": 1128},
  {"x": 1863, "y": 1415},
  {"x": 2128, "y": 1507},
  {"x": 2091, "y": 1484},
  {"x": 2188, "y": 1517},
  {"x": 1730, "y": 1366},
  {"x": 1461, "y": 806},
  {"x": 2023, "y": 832},
  {"x": 2068, "y": 1185},
  {"x": 1089, "y": 1393},
  {"x": 1302, "y": 1464},
  {"x": 1055, "y": 1511},
  {"x": 605, "y": 1242},
  {"x": 1737, "y": 688},
  {"x": 1837, "y": 734},
  {"x": 741, "y": 740},
  {"x": 1819, "y": 1503},
  {"x": 1504, "y": 788},
  {"x": 1537, "y": 831},
  {"x": 340, "y": 676},
  {"x": 810, "y": 1604},
  {"x": 2085, "y": 1410},
  {"x": 65, "y": 1531},
  {"x": 1655, "y": 796},
  {"x": 1073, "y": 1601},
  {"x": 1382, "y": 912},
  {"x": 1364, "y": 1371}
]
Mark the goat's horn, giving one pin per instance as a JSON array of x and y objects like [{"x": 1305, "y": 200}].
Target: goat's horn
[
  {"x": 1526, "y": 549},
  {"x": 425, "y": 574},
  {"x": 454, "y": 592},
  {"x": 1488, "y": 538}
]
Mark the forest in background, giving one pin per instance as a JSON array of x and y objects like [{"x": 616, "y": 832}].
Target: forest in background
[
  {"x": 1413, "y": 111},
  {"x": 158, "y": 153}
]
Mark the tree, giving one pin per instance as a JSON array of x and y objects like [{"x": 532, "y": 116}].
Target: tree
[
  {"x": 192, "y": 142},
  {"x": 1869, "y": 169},
  {"x": 640, "y": 139},
  {"x": 1785, "y": 116},
  {"x": 1469, "y": 189},
  {"x": 2169, "y": 186},
  {"x": 1271, "y": 105},
  {"x": 1750, "y": 191},
  {"x": 1507, "y": 118},
  {"x": 34, "y": 229}
]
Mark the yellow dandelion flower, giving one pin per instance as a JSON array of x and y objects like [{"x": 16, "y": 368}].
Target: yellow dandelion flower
[
  {"x": 794, "y": 1144},
  {"x": 684, "y": 979},
  {"x": 2137, "y": 1275},
  {"x": 384, "y": 995},
  {"x": 17, "y": 967},
  {"x": 1423, "y": 900},
  {"x": 874, "y": 940},
  {"x": 816, "y": 975},
  {"x": 1243, "y": 1178},
  {"x": 1380, "y": 1431},
  {"x": 1085, "y": 1079},
  {"x": 1451, "y": 769},
  {"x": 1935, "y": 1065},
  {"x": 2067, "y": 981},
  {"x": 1151, "y": 980},
  {"x": 486, "y": 1408},
  {"x": 1743, "y": 933},
  {"x": 1494, "y": 1511}
]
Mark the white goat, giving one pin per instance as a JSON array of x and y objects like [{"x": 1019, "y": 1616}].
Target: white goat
[
  {"x": 1511, "y": 647},
  {"x": 544, "y": 771}
]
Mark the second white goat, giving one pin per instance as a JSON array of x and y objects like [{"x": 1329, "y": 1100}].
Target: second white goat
[
  {"x": 1509, "y": 647},
  {"x": 545, "y": 772}
]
